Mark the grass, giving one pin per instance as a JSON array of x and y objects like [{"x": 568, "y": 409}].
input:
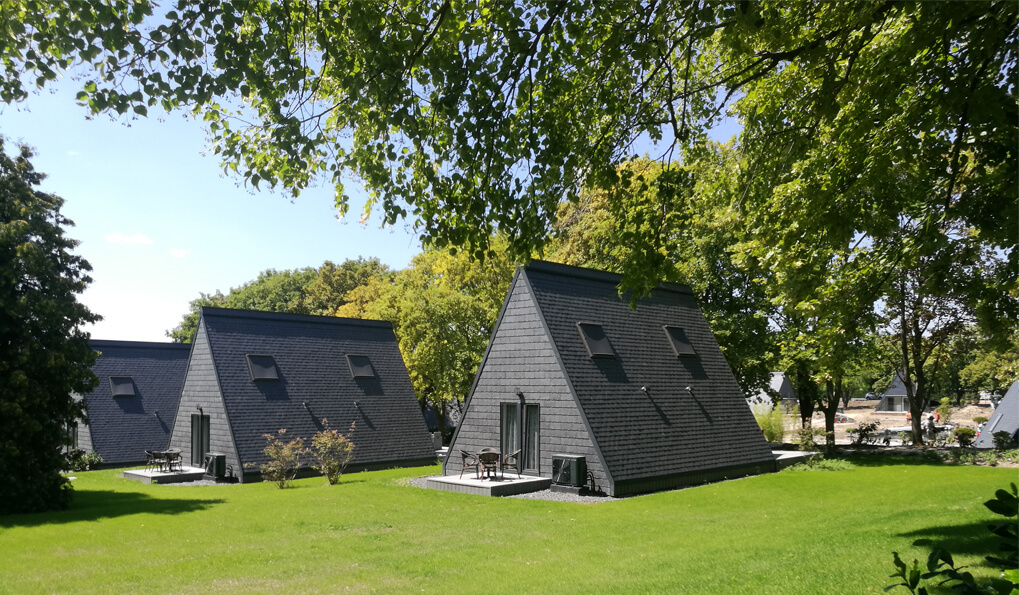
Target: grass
[{"x": 821, "y": 532}]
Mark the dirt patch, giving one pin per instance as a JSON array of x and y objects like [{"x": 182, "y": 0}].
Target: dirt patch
[{"x": 863, "y": 412}]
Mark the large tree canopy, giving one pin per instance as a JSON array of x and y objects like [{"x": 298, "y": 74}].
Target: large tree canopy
[
  {"x": 45, "y": 356},
  {"x": 467, "y": 116}
]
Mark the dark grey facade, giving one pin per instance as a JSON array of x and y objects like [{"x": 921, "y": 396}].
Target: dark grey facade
[
  {"x": 338, "y": 369},
  {"x": 646, "y": 397},
  {"x": 133, "y": 408},
  {"x": 895, "y": 399},
  {"x": 1004, "y": 419}
]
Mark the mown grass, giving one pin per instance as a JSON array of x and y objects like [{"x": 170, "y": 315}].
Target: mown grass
[{"x": 815, "y": 532}]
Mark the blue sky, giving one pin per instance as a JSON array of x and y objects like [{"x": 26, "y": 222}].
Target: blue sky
[{"x": 159, "y": 221}]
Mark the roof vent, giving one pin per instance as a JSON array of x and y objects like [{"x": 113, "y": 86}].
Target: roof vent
[
  {"x": 262, "y": 367},
  {"x": 680, "y": 343},
  {"x": 360, "y": 366},
  {"x": 595, "y": 340},
  {"x": 122, "y": 386}
]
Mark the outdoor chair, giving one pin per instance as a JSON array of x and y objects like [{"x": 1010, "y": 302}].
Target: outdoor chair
[
  {"x": 512, "y": 461},
  {"x": 150, "y": 460},
  {"x": 489, "y": 462},
  {"x": 469, "y": 462},
  {"x": 173, "y": 461},
  {"x": 158, "y": 460}
]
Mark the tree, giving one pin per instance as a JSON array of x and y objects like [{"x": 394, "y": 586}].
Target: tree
[
  {"x": 45, "y": 355},
  {"x": 698, "y": 236},
  {"x": 301, "y": 291},
  {"x": 443, "y": 308},
  {"x": 991, "y": 370},
  {"x": 473, "y": 116}
]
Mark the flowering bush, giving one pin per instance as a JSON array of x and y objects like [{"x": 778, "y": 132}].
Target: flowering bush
[
  {"x": 332, "y": 451},
  {"x": 284, "y": 459}
]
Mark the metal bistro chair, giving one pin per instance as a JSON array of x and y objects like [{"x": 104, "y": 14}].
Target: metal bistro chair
[
  {"x": 174, "y": 461},
  {"x": 469, "y": 462},
  {"x": 151, "y": 460},
  {"x": 512, "y": 461},
  {"x": 489, "y": 459}
]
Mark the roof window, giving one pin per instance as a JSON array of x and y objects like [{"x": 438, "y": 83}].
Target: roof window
[
  {"x": 262, "y": 367},
  {"x": 595, "y": 340},
  {"x": 360, "y": 366},
  {"x": 122, "y": 386},
  {"x": 680, "y": 342}
]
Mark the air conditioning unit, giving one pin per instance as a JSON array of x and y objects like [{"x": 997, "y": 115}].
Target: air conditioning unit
[{"x": 570, "y": 470}]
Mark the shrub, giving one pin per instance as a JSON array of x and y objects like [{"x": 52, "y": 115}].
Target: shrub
[
  {"x": 332, "y": 451},
  {"x": 944, "y": 410},
  {"x": 284, "y": 459},
  {"x": 79, "y": 460},
  {"x": 806, "y": 436},
  {"x": 965, "y": 436},
  {"x": 865, "y": 432},
  {"x": 979, "y": 420},
  {"x": 772, "y": 423},
  {"x": 822, "y": 464},
  {"x": 1002, "y": 440}
]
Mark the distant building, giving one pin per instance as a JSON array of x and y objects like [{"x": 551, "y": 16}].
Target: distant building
[
  {"x": 895, "y": 399},
  {"x": 1004, "y": 419},
  {"x": 762, "y": 401},
  {"x": 134, "y": 405},
  {"x": 254, "y": 373},
  {"x": 644, "y": 395}
]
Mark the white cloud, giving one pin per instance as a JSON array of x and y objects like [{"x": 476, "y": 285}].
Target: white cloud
[
  {"x": 72, "y": 153},
  {"x": 137, "y": 239},
  {"x": 179, "y": 252}
]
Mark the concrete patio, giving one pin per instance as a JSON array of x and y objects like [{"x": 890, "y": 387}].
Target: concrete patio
[
  {"x": 502, "y": 485},
  {"x": 155, "y": 476}
]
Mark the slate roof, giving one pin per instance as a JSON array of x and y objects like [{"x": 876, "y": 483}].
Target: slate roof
[
  {"x": 780, "y": 384},
  {"x": 668, "y": 430},
  {"x": 897, "y": 388},
  {"x": 1004, "y": 419},
  {"x": 123, "y": 427},
  {"x": 315, "y": 383}
]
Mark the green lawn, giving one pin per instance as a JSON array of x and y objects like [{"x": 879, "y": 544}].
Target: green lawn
[{"x": 790, "y": 532}]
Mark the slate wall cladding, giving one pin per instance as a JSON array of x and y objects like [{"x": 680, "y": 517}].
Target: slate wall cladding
[
  {"x": 122, "y": 428},
  {"x": 84, "y": 441},
  {"x": 201, "y": 388},
  {"x": 314, "y": 383},
  {"x": 521, "y": 356}
]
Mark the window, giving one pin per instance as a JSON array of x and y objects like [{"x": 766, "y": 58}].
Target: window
[
  {"x": 122, "y": 386},
  {"x": 360, "y": 366},
  {"x": 680, "y": 343},
  {"x": 262, "y": 367},
  {"x": 595, "y": 340}
]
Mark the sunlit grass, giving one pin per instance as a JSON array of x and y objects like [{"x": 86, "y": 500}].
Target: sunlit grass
[{"x": 822, "y": 532}]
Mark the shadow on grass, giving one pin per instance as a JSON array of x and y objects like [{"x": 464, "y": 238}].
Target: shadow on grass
[
  {"x": 971, "y": 538},
  {"x": 93, "y": 505}
]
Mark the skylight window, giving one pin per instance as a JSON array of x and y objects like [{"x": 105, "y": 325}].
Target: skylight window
[
  {"x": 360, "y": 366},
  {"x": 262, "y": 367},
  {"x": 122, "y": 386},
  {"x": 680, "y": 342},
  {"x": 595, "y": 340}
]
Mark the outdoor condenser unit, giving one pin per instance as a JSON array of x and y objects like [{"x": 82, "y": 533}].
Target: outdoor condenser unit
[
  {"x": 215, "y": 465},
  {"x": 570, "y": 470}
]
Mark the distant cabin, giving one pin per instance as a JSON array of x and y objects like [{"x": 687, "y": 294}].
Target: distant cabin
[
  {"x": 254, "y": 373},
  {"x": 762, "y": 401},
  {"x": 895, "y": 399},
  {"x": 133, "y": 407},
  {"x": 643, "y": 395},
  {"x": 1004, "y": 419}
]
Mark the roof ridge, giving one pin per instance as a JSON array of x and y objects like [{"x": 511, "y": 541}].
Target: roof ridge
[
  {"x": 138, "y": 344},
  {"x": 288, "y": 317},
  {"x": 587, "y": 274}
]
